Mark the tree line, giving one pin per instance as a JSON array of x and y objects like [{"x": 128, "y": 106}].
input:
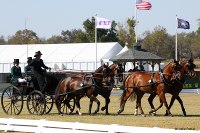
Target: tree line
[{"x": 157, "y": 41}]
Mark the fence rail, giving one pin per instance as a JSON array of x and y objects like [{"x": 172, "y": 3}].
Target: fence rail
[{"x": 44, "y": 126}]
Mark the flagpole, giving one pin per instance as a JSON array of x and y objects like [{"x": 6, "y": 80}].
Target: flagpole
[
  {"x": 96, "y": 42},
  {"x": 26, "y": 39},
  {"x": 136, "y": 23},
  {"x": 176, "y": 39}
]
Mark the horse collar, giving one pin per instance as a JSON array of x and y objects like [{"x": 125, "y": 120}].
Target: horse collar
[{"x": 163, "y": 78}]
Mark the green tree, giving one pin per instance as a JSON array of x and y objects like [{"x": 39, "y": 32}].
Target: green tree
[
  {"x": 2, "y": 40},
  {"x": 74, "y": 36},
  {"x": 159, "y": 42},
  {"x": 89, "y": 26},
  {"x": 24, "y": 37},
  {"x": 55, "y": 39},
  {"x": 103, "y": 35},
  {"x": 126, "y": 34}
]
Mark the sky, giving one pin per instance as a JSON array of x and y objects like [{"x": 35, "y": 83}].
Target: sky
[{"x": 50, "y": 17}]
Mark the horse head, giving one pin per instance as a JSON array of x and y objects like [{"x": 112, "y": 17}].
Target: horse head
[
  {"x": 188, "y": 68},
  {"x": 117, "y": 70},
  {"x": 172, "y": 67},
  {"x": 108, "y": 76}
]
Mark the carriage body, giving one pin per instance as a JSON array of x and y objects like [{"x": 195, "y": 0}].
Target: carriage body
[{"x": 38, "y": 102}]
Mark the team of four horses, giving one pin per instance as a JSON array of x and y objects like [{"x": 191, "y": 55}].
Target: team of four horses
[
  {"x": 101, "y": 82},
  {"x": 136, "y": 84}
]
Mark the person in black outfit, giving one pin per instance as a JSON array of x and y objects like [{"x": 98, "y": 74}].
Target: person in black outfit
[{"x": 39, "y": 69}]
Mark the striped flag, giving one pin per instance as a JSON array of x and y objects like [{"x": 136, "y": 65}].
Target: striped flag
[{"x": 143, "y": 5}]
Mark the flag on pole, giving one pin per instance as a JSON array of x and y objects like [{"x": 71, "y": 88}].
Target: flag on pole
[
  {"x": 143, "y": 5},
  {"x": 103, "y": 23},
  {"x": 183, "y": 24}
]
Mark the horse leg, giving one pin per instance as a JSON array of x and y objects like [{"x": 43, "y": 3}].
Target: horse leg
[
  {"x": 150, "y": 100},
  {"x": 126, "y": 94},
  {"x": 78, "y": 105},
  {"x": 93, "y": 98},
  {"x": 139, "y": 97},
  {"x": 67, "y": 100},
  {"x": 90, "y": 106},
  {"x": 107, "y": 102},
  {"x": 136, "y": 108},
  {"x": 161, "y": 104},
  {"x": 180, "y": 102},
  {"x": 163, "y": 99},
  {"x": 182, "y": 106}
]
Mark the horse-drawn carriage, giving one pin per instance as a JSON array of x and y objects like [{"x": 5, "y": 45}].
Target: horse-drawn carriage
[
  {"x": 41, "y": 101},
  {"x": 37, "y": 102},
  {"x": 67, "y": 92}
]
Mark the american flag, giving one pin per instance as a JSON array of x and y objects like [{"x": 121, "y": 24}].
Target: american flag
[{"x": 143, "y": 5}]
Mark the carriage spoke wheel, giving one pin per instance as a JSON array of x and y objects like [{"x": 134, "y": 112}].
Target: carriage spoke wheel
[
  {"x": 12, "y": 100},
  {"x": 36, "y": 103},
  {"x": 49, "y": 103},
  {"x": 63, "y": 109}
]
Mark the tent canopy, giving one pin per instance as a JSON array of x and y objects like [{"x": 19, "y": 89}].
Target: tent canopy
[{"x": 74, "y": 52}]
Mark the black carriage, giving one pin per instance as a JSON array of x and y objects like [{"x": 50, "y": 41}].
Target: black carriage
[{"x": 37, "y": 101}]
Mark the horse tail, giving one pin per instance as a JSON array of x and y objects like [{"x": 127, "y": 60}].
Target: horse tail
[
  {"x": 122, "y": 97},
  {"x": 58, "y": 87},
  {"x": 132, "y": 97}
]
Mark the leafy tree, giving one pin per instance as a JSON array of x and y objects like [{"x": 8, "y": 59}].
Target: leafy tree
[
  {"x": 159, "y": 42},
  {"x": 74, "y": 36},
  {"x": 55, "y": 39},
  {"x": 2, "y": 40},
  {"x": 24, "y": 37},
  {"x": 126, "y": 34},
  {"x": 196, "y": 44},
  {"x": 89, "y": 26},
  {"x": 103, "y": 35}
]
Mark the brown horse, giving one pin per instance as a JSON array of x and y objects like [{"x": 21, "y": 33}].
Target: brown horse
[
  {"x": 117, "y": 71},
  {"x": 139, "y": 83},
  {"x": 187, "y": 69},
  {"x": 83, "y": 84}
]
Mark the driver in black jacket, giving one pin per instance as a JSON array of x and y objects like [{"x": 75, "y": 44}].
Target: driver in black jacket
[{"x": 39, "y": 69}]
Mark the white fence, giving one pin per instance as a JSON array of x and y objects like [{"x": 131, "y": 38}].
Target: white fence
[{"x": 44, "y": 126}]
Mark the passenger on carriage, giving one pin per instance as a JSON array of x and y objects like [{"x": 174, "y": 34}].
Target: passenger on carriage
[
  {"x": 28, "y": 71},
  {"x": 16, "y": 74},
  {"x": 39, "y": 69}
]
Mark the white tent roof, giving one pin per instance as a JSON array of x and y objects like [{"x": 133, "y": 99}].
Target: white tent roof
[
  {"x": 75, "y": 52},
  {"x": 123, "y": 50}
]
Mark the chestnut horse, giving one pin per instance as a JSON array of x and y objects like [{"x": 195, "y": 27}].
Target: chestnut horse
[
  {"x": 139, "y": 83},
  {"x": 83, "y": 84},
  {"x": 187, "y": 69}
]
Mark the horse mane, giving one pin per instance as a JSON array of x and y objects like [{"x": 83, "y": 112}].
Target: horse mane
[
  {"x": 98, "y": 69},
  {"x": 167, "y": 65}
]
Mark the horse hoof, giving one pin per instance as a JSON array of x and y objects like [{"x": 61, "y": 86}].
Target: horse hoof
[
  {"x": 152, "y": 113},
  {"x": 103, "y": 108},
  {"x": 143, "y": 115},
  {"x": 107, "y": 113},
  {"x": 119, "y": 112}
]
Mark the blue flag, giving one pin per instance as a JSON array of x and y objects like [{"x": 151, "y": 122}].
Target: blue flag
[{"x": 183, "y": 24}]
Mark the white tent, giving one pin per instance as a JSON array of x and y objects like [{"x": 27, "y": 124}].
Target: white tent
[{"x": 81, "y": 56}]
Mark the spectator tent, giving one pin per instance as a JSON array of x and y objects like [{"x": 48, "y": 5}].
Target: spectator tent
[{"x": 80, "y": 56}]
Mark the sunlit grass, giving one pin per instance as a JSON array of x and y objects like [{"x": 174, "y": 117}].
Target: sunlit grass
[{"x": 191, "y": 103}]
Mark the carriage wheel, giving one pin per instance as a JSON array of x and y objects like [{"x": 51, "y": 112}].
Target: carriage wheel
[
  {"x": 12, "y": 100},
  {"x": 36, "y": 103},
  {"x": 63, "y": 109},
  {"x": 49, "y": 104}
]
